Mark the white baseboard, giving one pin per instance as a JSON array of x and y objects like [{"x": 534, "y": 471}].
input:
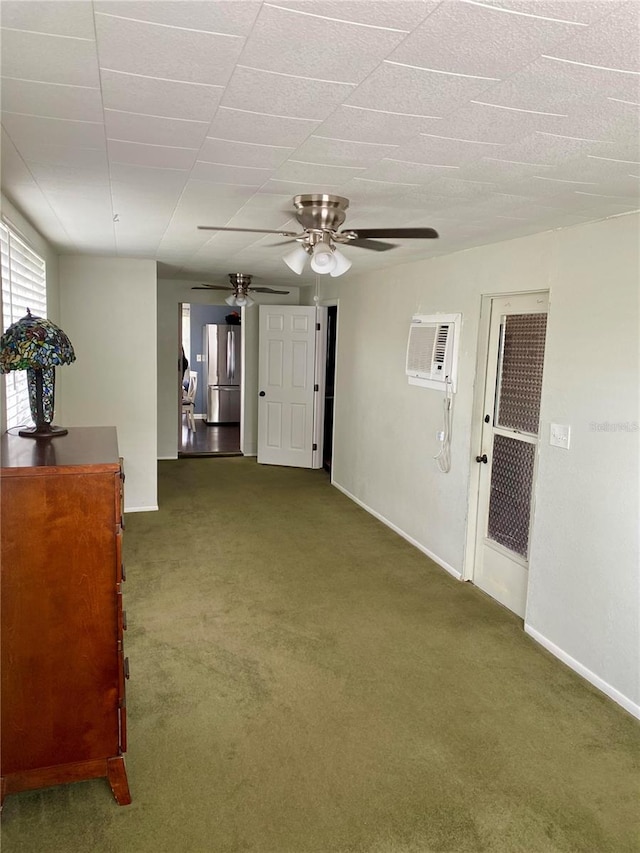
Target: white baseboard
[
  {"x": 456, "y": 574},
  {"x": 165, "y": 458},
  {"x": 141, "y": 509},
  {"x": 582, "y": 670}
]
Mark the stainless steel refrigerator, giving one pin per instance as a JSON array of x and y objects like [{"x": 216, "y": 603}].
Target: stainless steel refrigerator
[{"x": 221, "y": 354}]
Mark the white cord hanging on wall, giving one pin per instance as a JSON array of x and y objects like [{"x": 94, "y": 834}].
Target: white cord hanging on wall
[{"x": 443, "y": 457}]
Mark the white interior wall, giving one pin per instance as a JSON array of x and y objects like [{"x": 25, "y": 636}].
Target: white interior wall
[
  {"x": 108, "y": 309},
  {"x": 584, "y": 597},
  {"x": 584, "y": 593},
  {"x": 171, "y": 293}
]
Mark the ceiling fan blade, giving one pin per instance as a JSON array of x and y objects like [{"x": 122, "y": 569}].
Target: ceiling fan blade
[
  {"x": 376, "y": 245},
  {"x": 398, "y": 233},
  {"x": 267, "y": 290},
  {"x": 212, "y": 287},
  {"x": 248, "y": 230}
]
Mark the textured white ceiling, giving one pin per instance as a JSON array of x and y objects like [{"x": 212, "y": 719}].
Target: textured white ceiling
[{"x": 127, "y": 124}]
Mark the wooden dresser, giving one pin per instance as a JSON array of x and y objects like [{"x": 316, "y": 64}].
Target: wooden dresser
[{"x": 63, "y": 664}]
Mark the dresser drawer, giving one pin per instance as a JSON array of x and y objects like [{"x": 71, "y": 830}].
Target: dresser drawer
[
  {"x": 120, "y": 570},
  {"x": 122, "y": 619},
  {"x": 120, "y": 494},
  {"x": 123, "y": 675}
]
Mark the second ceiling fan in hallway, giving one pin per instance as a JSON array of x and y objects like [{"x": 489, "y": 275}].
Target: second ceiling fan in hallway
[{"x": 241, "y": 287}]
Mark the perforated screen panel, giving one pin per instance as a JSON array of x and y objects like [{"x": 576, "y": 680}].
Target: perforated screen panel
[
  {"x": 420, "y": 352},
  {"x": 520, "y": 377},
  {"x": 510, "y": 502}
]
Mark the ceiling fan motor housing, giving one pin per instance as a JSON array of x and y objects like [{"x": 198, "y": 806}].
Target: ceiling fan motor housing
[
  {"x": 240, "y": 280},
  {"x": 320, "y": 211}
]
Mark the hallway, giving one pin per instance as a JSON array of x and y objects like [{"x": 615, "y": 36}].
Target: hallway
[{"x": 214, "y": 440}]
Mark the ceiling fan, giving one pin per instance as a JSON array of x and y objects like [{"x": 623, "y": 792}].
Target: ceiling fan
[
  {"x": 241, "y": 286},
  {"x": 320, "y": 215}
]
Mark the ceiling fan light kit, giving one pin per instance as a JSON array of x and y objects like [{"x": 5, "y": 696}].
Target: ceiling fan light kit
[
  {"x": 341, "y": 265},
  {"x": 322, "y": 260},
  {"x": 240, "y": 300},
  {"x": 320, "y": 215},
  {"x": 296, "y": 259}
]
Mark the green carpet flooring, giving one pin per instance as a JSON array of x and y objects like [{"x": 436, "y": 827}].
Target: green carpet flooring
[{"x": 305, "y": 681}]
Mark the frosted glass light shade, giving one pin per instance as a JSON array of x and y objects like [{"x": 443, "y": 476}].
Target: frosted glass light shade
[
  {"x": 322, "y": 260},
  {"x": 231, "y": 300},
  {"x": 342, "y": 264},
  {"x": 296, "y": 260}
]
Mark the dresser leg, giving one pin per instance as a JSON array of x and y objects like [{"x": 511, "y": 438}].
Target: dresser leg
[{"x": 117, "y": 778}]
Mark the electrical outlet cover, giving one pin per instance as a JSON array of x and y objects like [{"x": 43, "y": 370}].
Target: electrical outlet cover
[{"x": 560, "y": 435}]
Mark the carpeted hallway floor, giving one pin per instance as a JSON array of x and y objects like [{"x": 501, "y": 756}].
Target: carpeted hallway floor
[{"x": 304, "y": 681}]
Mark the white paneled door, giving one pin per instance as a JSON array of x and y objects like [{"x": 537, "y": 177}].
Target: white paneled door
[
  {"x": 291, "y": 385},
  {"x": 509, "y": 448}
]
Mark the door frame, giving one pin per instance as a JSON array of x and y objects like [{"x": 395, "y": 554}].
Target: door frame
[
  {"x": 179, "y": 373},
  {"x": 334, "y": 302},
  {"x": 477, "y": 412},
  {"x": 319, "y": 368},
  {"x": 191, "y": 302}
]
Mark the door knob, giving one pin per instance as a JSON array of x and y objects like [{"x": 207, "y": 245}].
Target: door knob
[
  {"x": 482, "y": 458},
  {"x": 262, "y": 394}
]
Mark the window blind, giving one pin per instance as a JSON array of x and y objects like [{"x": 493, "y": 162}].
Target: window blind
[{"x": 23, "y": 286}]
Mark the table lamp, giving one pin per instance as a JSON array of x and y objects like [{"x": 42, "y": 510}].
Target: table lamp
[{"x": 38, "y": 346}]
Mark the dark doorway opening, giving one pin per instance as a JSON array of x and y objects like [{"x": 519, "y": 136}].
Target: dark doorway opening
[
  {"x": 207, "y": 439},
  {"x": 329, "y": 386}
]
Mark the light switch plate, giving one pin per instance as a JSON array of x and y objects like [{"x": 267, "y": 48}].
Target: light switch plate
[
  {"x": 560, "y": 435},
  {"x": 199, "y": 357}
]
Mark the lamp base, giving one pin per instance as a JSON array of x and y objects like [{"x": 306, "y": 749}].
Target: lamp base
[{"x": 43, "y": 431}]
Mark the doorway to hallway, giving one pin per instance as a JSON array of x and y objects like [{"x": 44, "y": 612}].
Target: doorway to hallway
[{"x": 208, "y": 438}]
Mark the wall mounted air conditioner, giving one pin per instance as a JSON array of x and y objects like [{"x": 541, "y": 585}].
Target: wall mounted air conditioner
[{"x": 432, "y": 350}]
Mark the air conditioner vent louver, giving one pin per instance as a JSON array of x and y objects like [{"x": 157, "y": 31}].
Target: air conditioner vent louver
[
  {"x": 431, "y": 358},
  {"x": 441, "y": 344}
]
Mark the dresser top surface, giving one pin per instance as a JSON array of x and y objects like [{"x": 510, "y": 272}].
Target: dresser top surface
[{"x": 82, "y": 448}]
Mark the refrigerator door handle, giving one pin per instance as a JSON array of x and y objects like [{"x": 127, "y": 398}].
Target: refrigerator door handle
[
  {"x": 229, "y": 354},
  {"x": 231, "y": 351}
]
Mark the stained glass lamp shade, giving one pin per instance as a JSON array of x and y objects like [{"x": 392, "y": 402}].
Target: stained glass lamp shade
[{"x": 38, "y": 346}]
